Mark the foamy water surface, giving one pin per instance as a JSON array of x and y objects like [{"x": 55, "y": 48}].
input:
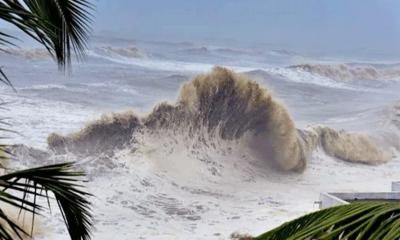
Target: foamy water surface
[{"x": 167, "y": 186}]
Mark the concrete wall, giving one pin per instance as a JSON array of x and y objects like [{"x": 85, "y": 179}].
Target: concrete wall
[
  {"x": 329, "y": 200},
  {"x": 335, "y": 199},
  {"x": 368, "y": 196}
]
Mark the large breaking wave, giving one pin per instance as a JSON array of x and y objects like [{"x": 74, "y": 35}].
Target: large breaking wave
[
  {"x": 223, "y": 106},
  {"x": 348, "y": 72}
]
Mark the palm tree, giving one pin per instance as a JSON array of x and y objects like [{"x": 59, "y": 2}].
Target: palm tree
[
  {"x": 358, "y": 221},
  {"x": 62, "y": 27}
]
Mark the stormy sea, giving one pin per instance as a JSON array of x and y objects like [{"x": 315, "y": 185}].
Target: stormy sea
[{"x": 182, "y": 140}]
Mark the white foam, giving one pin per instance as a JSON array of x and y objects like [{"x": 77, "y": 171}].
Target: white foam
[
  {"x": 146, "y": 193},
  {"x": 34, "y": 119},
  {"x": 295, "y": 75},
  {"x": 301, "y": 76},
  {"x": 149, "y": 199},
  {"x": 167, "y": 65}
]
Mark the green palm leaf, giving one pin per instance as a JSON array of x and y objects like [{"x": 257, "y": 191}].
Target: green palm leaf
[
  {"x": 21, "y": 189},
  {"x": 356, "y": 221},
  {"x": 62, "y": 26}
]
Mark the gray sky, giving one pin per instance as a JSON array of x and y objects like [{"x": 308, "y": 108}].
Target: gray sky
[
  {"x": 305, "y": 25},
  {"x": 308, "y": 24}
]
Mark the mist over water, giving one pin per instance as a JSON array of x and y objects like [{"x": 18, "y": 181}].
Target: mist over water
[{"x": 177, "y": 148}]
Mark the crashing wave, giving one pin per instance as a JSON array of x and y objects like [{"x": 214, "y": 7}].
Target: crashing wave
[
  {"x": 198, "y": 50},
  {"x": 238, "y": 51},
  {"x": 223, "y": 50},
  {"x": 227, "y": 104},
  {"x": 282, "y": 52},
  {"x": 350, "y": 147},
  {"x": 30, "y": 54},
  {"x": 126, "y": 52},
  {"x": 348, "y": 72},
  {"x": 230, "y": 107},
  {"x": 104, "y": 135}
]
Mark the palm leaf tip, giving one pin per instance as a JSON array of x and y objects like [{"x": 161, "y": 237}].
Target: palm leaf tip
[
  {"x": 61, "y": 26},
  {"x": 60, "y": 180},
  {"x": 17, "y": 224},
  {"x": 361, "y": 221}
]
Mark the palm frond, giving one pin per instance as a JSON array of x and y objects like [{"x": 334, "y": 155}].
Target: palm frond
[
  {"x": 4, "y": 79},
  {"x": 59, "y": 179},
  {"x": 67, "y": 25},
  {"x": 358, "y": 221},
  {"x": 9, "y": 227},
  {"x": 62, "y": 26}
]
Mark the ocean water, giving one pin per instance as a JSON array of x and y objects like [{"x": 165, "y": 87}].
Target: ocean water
[{"x": 173, "y": 183}]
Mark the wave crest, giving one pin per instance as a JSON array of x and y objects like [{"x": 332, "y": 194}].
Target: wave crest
[
  {"x": 30, "y": 54},
  {"x": 351, "y": 147},
  {"x": 228, "y": 106},
  {"x": 348, "y": 72},
  {"x": 105, "y": 135},
  {"x": 125, "y": 52}
]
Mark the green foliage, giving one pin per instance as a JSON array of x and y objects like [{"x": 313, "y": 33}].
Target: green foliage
[
  {"x": 61, "y": 180},
  {"x": 62, "y": 27},
  {"x": 356, "y": 221}
]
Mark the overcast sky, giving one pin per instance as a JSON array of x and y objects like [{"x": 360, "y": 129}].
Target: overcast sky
[{"x": 341, "y": 24}]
